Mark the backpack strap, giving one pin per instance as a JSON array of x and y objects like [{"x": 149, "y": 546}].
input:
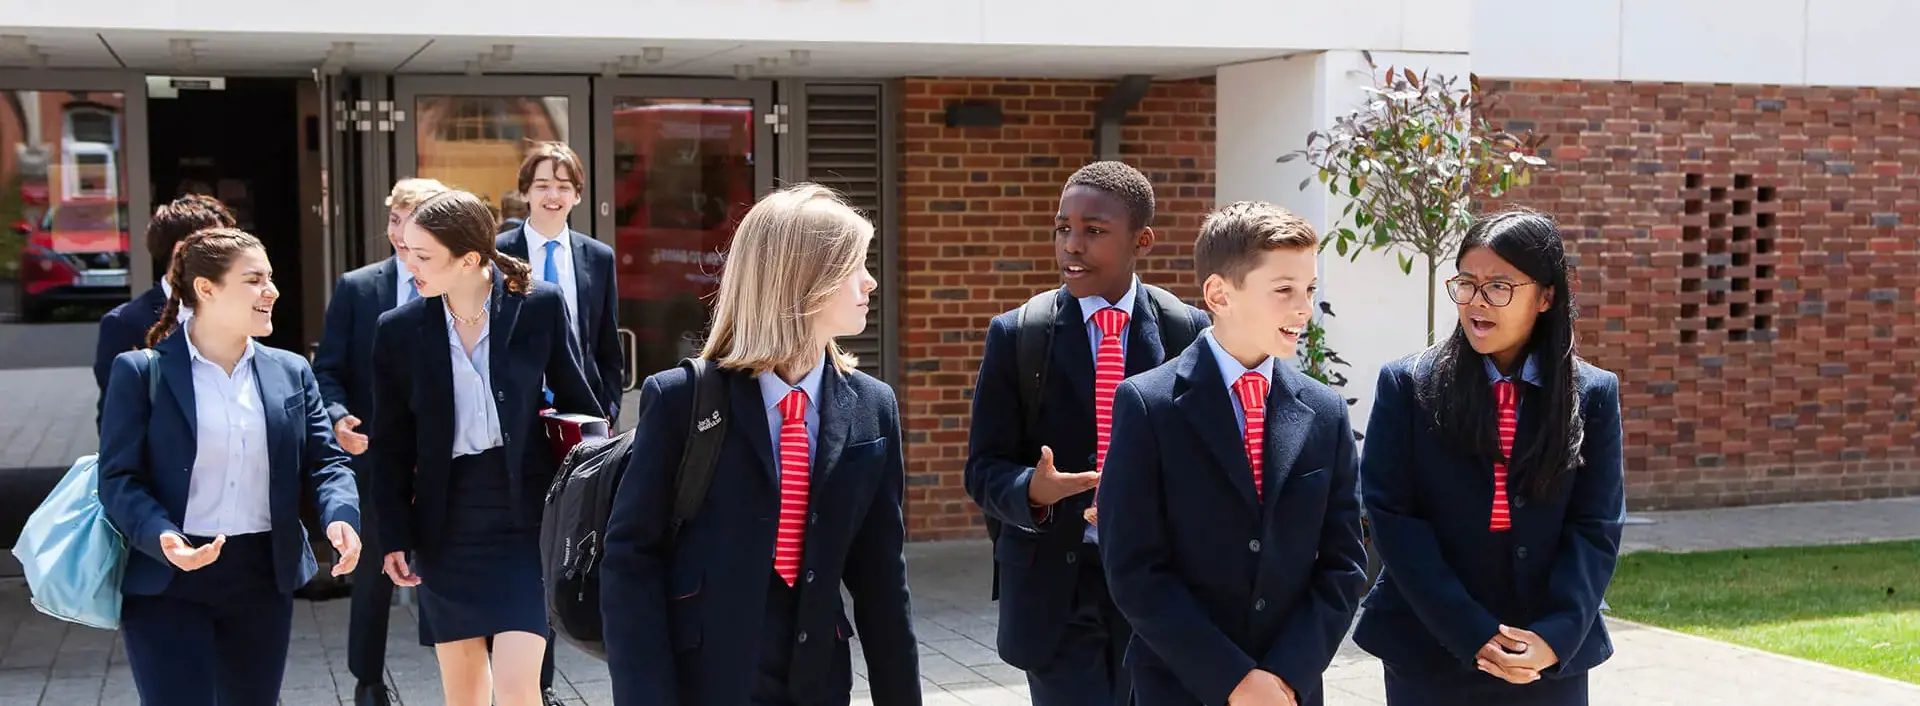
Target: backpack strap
[
  {"x": 1033, "y": 345},
  {"x": 1179, "y": 327},
  {"x": 153, "y": 375},
  {"x": 705, "y": 432}
]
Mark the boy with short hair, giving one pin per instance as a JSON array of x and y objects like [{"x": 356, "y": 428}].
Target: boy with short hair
[
  {"x": 1230, "y": 524},
  {"x": 1032, "y": 473}
]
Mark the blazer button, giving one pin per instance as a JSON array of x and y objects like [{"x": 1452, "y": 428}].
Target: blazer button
[
  {"x": 1519, "y": 502},
  {"x": 1253, "y": 546},
  {"x": 813, "y": 518},
  {"x": 499, "y": 396},
  {"x": 1259, "y": 604},
  {"x": 802, "y": 637},
  {"x": 507, "y": 438},
  {"x": 1092, "y": 459},
  {"x": 1072, "y": 557},
  {"x": 809, "y": 575},
  {"x": 1521, "y": 552}
]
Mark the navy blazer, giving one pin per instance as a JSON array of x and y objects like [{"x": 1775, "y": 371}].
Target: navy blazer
[
  {"x": 1036, "y": 559},
  {"x": 1215, "y": 582},
  {"x": 411, "y": 443},
  {"x": 147, "y": 453},
  {"x": 344, "y": 361},
  {"x": 683, "y": 620},
  {"x": 1435, "y": 604},
  {"x": 121, "y": 330},
  {"x": 593, "y": 274}
]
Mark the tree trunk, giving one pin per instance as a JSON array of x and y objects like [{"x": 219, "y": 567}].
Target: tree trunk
[{"x": 1432, "y": 272}]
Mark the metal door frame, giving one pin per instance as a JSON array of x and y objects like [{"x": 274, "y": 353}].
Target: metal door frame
[
  {"x": 132, "y": 85},
  {"x": 407, "y": 89},
  {"x": 605, "y": 90}
]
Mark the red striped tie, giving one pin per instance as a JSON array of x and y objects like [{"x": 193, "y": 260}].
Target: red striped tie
[
  {"x": 794, "y": 478},
  {"x": 1505, "y": 394},
  {"x": 1109, "y": 368},
  {"x": 1252, "y": 389}
]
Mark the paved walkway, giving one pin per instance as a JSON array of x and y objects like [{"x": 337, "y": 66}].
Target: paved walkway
[{"x": 47, "y": 663}]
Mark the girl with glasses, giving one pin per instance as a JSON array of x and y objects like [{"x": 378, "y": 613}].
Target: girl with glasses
[{"x": 1492, "y": 479}]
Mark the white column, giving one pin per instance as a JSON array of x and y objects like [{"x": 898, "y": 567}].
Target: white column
[{"x": 1265, "y": 109}]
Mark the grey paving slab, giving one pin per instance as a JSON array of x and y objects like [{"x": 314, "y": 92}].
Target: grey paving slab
[{"x": 47, "y": 663}]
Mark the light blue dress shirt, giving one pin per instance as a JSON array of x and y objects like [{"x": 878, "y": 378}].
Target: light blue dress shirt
[
  {"x": 228, "y": 493},
  {"x": 773, "y": 389},
  {"x": 476, "y": 421}
]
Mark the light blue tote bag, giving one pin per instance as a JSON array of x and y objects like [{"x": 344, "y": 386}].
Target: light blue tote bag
[{"x": 71, "y": 553}]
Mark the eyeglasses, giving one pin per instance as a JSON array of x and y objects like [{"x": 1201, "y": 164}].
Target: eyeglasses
[{"x": 1497, "y": 293}]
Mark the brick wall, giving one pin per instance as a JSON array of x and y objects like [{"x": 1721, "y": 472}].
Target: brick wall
[
  {"x": 1747, "y": 262},
  {"x": 978, "y": 208}
]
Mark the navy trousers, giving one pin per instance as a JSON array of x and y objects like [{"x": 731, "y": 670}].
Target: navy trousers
[
  {"x": 218, "y": 635},
  {"x": 1087, "y": 669},
  {"x": 372, "y": 602},
  {"x": 1476, "y": 688}
]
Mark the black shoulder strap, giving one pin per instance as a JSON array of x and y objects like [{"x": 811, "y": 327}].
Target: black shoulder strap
[
  {"x": 1033, "y": 344},
  {"x": 705, "y": 431},
  {"x": 1179, "y": 328},
  {"x": 153, "y": 375}
]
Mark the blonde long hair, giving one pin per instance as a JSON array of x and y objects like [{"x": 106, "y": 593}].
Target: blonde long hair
[{"x": 789, "y": 255}]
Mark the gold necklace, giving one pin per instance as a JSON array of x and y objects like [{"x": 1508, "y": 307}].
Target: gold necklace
[{"x": 475, "y": 321}]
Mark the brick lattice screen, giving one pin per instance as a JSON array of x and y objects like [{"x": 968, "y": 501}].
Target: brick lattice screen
[{"x": 1748, "y": 264}]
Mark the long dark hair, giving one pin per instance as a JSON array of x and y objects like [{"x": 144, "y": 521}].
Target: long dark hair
[
  {"x": 1455, "y": 389},
  {"x": 208, "y": 253},
  {"x": 463, "y": 223}
]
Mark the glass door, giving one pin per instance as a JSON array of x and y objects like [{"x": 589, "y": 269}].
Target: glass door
[
  {"x": 472, "y": 132},
  {"x": 73, "y": 212},
  {"x": 678, "y": 163}
]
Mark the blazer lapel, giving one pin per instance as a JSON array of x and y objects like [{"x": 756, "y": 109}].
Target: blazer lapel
[
  {"x": 583, "y": 285},
  {"x": 1073, "y": 352},
  {"x": 385, "y": 290},
  {"x": 750, "y": 419},
  {"x": 836, "y": 418},
  {"x": 1289, "y": 423},
  {"x": 1144, "y": 351},
  {"x": 176, "y": 374},
  {"x": 1202, "y": 397},
  {"x": 275, "y": 389},
  {"x": 506, "y": 312},
  {"x": 516, "y": 243},
  {"x": 438, "y": 377}
]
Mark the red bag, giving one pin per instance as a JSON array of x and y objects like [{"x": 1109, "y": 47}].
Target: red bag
[{"x": 564, "y": 431}]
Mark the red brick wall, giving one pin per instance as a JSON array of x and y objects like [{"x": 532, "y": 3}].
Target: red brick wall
[
  {"x": 978, "y": 207},
  {"x": 1748, "y": 265}
]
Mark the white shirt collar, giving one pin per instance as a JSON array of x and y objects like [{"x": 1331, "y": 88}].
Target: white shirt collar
[
  {"x": 538, "y": 241},
  {"x": 193, "y": 351},
  {"x": 773, "y": 388},
  {"x": 1231, "y": 369},
  {"x": 166, "y": 287},
  {"x": 1092, "y": 305}
]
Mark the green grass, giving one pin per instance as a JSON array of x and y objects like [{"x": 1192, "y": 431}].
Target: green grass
[{"x": 1854, "y": 606}]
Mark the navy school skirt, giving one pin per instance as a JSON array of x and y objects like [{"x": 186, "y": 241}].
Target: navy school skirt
[
  {"x": 484, "y": 577},
  {"x": 1477, "y": 688}
]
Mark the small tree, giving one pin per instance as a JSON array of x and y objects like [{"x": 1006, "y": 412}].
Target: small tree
[{"x": 1413, "y": 161}]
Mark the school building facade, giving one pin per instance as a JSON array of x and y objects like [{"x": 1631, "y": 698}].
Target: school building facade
[{"x": 1741, "y": 180}]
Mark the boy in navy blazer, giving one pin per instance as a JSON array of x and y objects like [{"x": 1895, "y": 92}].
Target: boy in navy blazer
[
  {"x": 344, "y": 367},
  {"x": 125, "y": 328},
  {"x": 552, "y": 182},
  {"x": 1230, "y": 526},
  {"x": 1035, "y": 481}
]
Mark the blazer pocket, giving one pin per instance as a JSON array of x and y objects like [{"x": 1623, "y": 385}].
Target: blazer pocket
[
  {"x": 684, "y": 612},
  {"x": 1313, "y": 472},
  {"x": 864, "y": 449},
  {"x": 296, "y": 406}
]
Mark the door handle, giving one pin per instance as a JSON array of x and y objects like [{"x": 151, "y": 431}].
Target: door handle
[{"x": 631, "y": 342}]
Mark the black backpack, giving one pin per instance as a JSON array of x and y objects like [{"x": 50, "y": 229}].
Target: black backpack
[
  {"x": 1033, "y": 347},
  {"x": 574, "y": 523}
]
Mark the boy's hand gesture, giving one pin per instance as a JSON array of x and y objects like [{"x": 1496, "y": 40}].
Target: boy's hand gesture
[{"x": 1049, "y": 485}]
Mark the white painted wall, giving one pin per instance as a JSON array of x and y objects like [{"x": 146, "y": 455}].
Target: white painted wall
[
  {"x": 1284, "y": 25},
  {"x": 1792, "y": 42},
  {"x": 1265, "y": 109}
]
